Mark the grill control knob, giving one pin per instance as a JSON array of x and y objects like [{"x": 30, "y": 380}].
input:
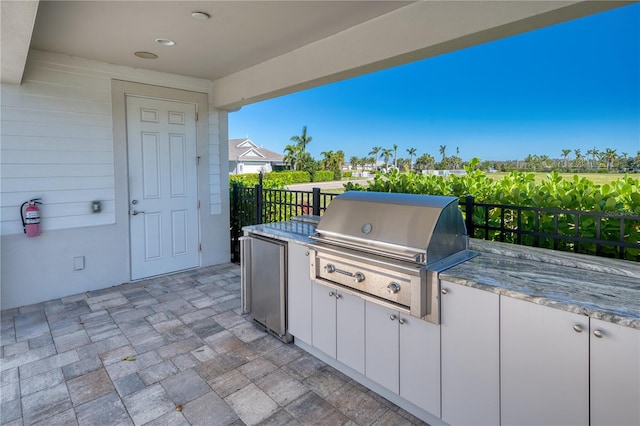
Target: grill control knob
[
  {"x": 393, "y": 288},
  {"x": 330, "y": 268},
  {"x": 359, "y": 277}
]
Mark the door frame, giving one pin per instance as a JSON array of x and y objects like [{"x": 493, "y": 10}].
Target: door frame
[{"x": 119, "y": 90}]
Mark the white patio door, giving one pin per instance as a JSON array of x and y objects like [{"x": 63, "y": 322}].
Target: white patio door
[{"x": 163, "y": 214}]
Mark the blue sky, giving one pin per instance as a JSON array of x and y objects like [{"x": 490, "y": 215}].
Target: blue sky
[{"x": 574, "y": 85}]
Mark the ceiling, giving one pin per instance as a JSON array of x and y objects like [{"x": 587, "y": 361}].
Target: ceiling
[
  {"x": 256, "y": 50},
  {"x": 238, "y": 35}
]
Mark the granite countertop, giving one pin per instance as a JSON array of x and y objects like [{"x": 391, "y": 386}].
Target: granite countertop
[
  {"x": 606, "y": 296},
  {"x": 297, "y": 230},
  {"x": 607, "y": 289},
  {"x": 561, "y": 258}
]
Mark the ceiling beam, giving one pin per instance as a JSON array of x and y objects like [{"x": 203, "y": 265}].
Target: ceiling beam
[
  {"x": 17, "y": 19},
  {"x": 417, "y": 31}
]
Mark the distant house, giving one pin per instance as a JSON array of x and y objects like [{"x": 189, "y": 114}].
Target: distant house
[{"x": 247, "y": 157}]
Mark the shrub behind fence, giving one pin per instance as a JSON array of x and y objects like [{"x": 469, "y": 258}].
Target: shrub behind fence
[{"x": 595, "y": 233}]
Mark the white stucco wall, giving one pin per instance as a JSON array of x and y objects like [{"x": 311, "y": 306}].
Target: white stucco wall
[{"x": 58, "y": 143}]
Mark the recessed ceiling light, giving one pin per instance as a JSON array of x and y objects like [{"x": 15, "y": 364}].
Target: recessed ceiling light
[
  {"x": 200, "y": 16},
  {"x": 146, "y": 55},
  {"x": 165, "y": 42}
]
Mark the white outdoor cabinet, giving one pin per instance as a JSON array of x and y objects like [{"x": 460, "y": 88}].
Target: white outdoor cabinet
[
  {"x": 420, "y": 363},
  {"x": 299, "y": 292},
  {"x": 403, "y": 355},
  {"x": 470, "y": 342},
  {"x": 324, "y": 319},
  {"x": 338, "y": 325},
  {"x": 544, "y": 364},
  {"x": 382, "y": 346},
  {"x": 615, "y": 374}
]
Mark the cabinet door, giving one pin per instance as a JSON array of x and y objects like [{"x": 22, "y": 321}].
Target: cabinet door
[
  {"x": 615, "y": 374},
  {"x": 544, "y": 365},
  {"x": 350, "y": 331},
  {"x": 298, "y": 293},
  {"x": 420, "y": 363},
  {"x": 470, "y": 330},
  {"x": 382, "y": 340},
  {"x": 324, "y": 319}
]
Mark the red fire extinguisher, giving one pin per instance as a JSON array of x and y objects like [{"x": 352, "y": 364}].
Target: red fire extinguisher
[{"x": 31, "y": 217}]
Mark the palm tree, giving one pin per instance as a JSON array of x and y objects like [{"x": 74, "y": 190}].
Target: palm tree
[
  {"x": 425, "y": 161},
  {"x": 625, "y": 163},
  {"x": 529, "y": 160},
  {"x": 455, "y": 162},
  {"x": 610, "y": 157},
  {"x": 544, "y": 160},
  {"x": 578, "y": 162},
  {"x": 373, "y": 161},
  {"x": 374, "y": 151},
  {"x": 412, "y": 153},
  {"x": 363, "y": 161},
  {"x": 395, "y": 155},
  {"x": 593, "y": 153},
  {"x": 306, "y": 162},
  {"x": 303, "y": 140},
  {"x": 402, "y": 163},
  {"x": 339, "y": 159},
  {"x": 443, "y": 151},
  {"x": 329, "y": 160},
  {"x": 386, "y": 153},
  {"x": 291, "y": 154},
  {"x": 565, "y": 154},
  {"x": 535, "y": 161},
  {"x": 354, "y": 161}
]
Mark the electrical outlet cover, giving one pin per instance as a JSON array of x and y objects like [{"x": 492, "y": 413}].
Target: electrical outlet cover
[{"x": 78, "y": 263}]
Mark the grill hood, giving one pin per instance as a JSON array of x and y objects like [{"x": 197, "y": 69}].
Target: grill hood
[{"x": 416, "y": 228}]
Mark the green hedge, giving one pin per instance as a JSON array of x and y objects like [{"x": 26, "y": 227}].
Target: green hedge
[
  {"x": 271, "y": 180},
  {"x": 291, "y": 176},
  {"x": 620, "y": 197},
  {"x": 323, "y": 176},
  {"x": 520, "y": 189}
]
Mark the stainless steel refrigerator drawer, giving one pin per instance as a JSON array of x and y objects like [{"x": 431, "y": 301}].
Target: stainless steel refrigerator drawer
[{"x": 264, "y": 281}]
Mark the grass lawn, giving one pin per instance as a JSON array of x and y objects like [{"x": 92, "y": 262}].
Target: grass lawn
[
  {"x": 597, "y": 178},
  {"x": 333, "y": 190}
]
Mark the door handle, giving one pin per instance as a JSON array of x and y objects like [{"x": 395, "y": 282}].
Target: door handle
[{"x": 136, "y": 212}]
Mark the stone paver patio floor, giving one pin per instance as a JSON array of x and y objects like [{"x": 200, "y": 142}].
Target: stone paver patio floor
[{"x": 172, "y": 350}]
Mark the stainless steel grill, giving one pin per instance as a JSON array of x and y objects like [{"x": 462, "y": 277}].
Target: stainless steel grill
[{"x": 390, "y": 247}]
